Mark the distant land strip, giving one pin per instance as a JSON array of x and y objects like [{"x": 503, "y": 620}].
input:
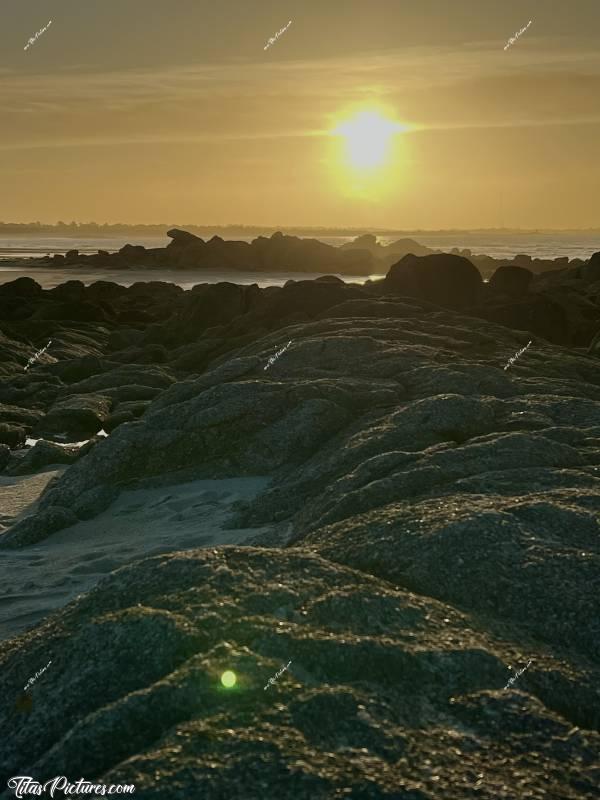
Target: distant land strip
[{"x": 115, "y": 229}]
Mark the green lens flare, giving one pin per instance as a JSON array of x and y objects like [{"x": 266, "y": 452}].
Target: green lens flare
[{"x": 228, "y": 679}]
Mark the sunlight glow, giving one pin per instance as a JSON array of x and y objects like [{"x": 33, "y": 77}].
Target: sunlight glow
[{"x": 368, "y": 136}]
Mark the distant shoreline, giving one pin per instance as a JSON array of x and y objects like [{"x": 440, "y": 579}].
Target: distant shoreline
[{"x": 108, "y": 231}]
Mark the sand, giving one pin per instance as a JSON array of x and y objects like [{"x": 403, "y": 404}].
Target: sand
[{"x": 45, "y": 576}]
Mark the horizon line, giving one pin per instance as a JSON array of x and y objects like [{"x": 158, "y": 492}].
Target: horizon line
[{"x": 281, "y": 228}]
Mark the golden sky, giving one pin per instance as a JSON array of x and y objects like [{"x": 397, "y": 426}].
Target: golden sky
[{"x": 171, "y": 111}]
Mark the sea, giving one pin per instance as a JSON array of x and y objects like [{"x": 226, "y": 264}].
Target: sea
[{"x": 495, "y": 244}]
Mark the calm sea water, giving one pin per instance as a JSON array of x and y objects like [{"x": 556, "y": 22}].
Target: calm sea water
[{"x": 498, "y": 245}]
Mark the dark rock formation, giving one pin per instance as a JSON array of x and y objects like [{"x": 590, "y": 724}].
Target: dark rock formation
[
  {"x": 388, "y": 693},
  {"x": 41, "y": 455},
  {"x": 79, "y": 416},
  {"x": 591, "y": 271},
  {"x": 445, "y": 530},
  {"x": 513, "y": 281},
  {"x": 443, "y": 278}
]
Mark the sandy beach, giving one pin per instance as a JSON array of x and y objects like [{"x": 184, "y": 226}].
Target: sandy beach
[{"x": 43, "y": 577}]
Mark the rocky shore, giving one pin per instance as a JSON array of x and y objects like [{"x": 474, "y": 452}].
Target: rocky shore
[
  {"x": 280, "y": 253},
  {"x": 425, "y": 524}
]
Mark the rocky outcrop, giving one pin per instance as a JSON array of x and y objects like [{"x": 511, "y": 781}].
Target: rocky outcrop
[
  {"x": 449, "y": 280},
  {"x": 41, "y": 455},
  {"x": 80, "y": 416},
  {"x": 388, "y": 693},
  {"x": 445, "y": 531},
  {"x": 513, "y": 281}
]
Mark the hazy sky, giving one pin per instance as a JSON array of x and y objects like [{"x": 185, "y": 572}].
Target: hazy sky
[{"x": 172, "y": 111}]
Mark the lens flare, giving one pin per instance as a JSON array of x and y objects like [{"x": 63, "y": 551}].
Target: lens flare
[{"x": 228, "y": 679}]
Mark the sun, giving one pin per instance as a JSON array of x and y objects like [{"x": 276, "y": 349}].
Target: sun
[{"x": 367, "y": 136}]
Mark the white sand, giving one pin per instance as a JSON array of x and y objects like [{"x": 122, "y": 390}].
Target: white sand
[{"x": 37, "y": 579}]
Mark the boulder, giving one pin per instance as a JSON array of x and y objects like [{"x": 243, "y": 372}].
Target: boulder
[
  {"x": 21, "y": 287},
  {"x": 78, "y": 369},
  {"x": 512, "y": 281},
  {"x": 80, "y": 416},
  {"x": 72, "y": 257},
  {"x": 535, "y": 313},
  {"x": 133, "y": 253},
  {"x": 522, "y": 260},
  {"x": 440, "y": 278},
  {"x": 113, "y": 421},
  {"x": 70, "y": 291},
  {"x": 41, "y": 455},
  {"x": 183, "y": 238},
  {"x": 386, "y": 694},
  {"x": 76, "y": 311},
  {"x": 124, "y": 338},
  {"x": 35, "y": 528},
  {"x": 590, "y": 272}
]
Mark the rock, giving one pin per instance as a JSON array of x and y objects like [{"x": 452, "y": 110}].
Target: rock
[
  {"x": 4, "y": 455},
  {"x": 12, "y": 435},
  {"x": 535, "y": 313},
  {"x": 21, "y": 287},
  {"x": 76, "y": 311},
  {"x": 72, "y": 256},
  {"x": 105, "y": 290},
  {"x": 41, "y": 455},
  {"x": 522, "y": 260},
  {"x": 124, "y": 338},
  {"x": 183, "y": 238},
  {"x": 163, "y": 630},
  {"x": 70, "y": 292},
  {"x": 136, "y": 407},
  {"x": 15, "y": 415},
  {"x": 133, "y": 253},
  {"x": 594, "y": 348},
  {"x": 78, "y": 415},
  {"x": 117, "y": 418},
  {"x": 591, "y": 270},
  {"x": 37, "y": 527},
  {"x": 440, "y": 278},
  {"x": 134, "y": 393},
  {"x": 513, "y": 281},
  {"x": 123, "y": 377},
  {"x": 78, "y": 369}
]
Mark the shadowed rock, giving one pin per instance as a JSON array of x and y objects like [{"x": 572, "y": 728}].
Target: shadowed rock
[
  {"x": 440, "y": 278},
  {"x": 511, "y": 280},
  {"x": 388, "y": 693}
]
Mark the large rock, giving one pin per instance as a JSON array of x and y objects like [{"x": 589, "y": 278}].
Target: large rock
[
  {"x": 34, "y": 528},
  {"x": 21, "y": 287},
  {"x": 12, "y": 435},
  {"x": 70, "y": 291},
  {"x": 79, "y": 416},
  {"x": 4, "y": 455},
  {"x": 41, "y": 455},
  {"x": 443, "y": 278},
  {"x": 591, "y": 271},
  {"x": 513, "y": 281},
  {"x": 382, "y": 693},
  {"x": 183, "y": 238},
  {"x": 76, "y": 311},
  {"x": 535, "y": 313},
  {"x": 133, "y": 253}
]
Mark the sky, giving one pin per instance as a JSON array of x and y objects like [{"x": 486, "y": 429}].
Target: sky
[{"x": 164, "y": 111}]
